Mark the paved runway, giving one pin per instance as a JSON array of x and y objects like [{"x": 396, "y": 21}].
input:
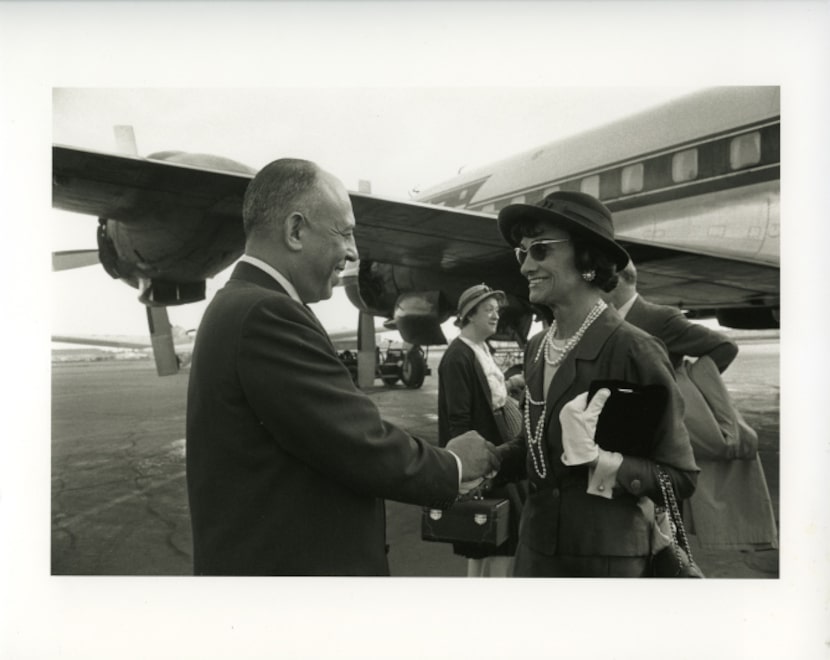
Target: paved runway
[{"x": 119, "y": 505}]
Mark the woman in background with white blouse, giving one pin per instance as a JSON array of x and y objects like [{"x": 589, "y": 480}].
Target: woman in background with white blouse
[{"x": 473, "y": 396}]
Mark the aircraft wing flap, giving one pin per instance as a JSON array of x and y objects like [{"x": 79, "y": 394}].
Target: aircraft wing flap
[{"x": 701, "y": 281}]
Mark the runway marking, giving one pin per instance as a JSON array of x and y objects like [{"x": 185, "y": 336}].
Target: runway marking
[{"x": 67, "y": 522}]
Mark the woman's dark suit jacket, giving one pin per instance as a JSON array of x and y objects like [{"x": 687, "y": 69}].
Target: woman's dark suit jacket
[
  {"x": 560, "y": 517},
  {"x": 464, "y": 404},
  {"x": 288, "y": 463}
]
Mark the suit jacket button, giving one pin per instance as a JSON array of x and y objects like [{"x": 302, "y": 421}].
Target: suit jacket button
[
  {"x": 554, "y": 493},
  {"x": 636, "y": 485}
]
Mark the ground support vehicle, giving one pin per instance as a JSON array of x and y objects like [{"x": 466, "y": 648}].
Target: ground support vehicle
[{"x": 407, "y": 364}]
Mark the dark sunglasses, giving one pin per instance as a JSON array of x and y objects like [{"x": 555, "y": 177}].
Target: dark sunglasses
[{"x": 538, "y": 250}]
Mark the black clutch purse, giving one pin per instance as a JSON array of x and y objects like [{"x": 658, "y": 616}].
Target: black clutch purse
[{"x": 629, "y": 420}]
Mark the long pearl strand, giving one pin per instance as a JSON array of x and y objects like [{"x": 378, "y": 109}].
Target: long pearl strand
[{"x": 535, "y": 437}]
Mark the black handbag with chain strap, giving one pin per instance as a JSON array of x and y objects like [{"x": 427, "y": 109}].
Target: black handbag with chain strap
[{"x": 675, "y": 559}]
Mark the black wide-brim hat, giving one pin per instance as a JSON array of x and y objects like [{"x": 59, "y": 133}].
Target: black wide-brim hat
[{"x": 575, "y": 212}]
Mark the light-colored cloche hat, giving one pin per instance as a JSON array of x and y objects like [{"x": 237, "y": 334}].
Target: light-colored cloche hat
[
  {"x": 575, "y": 212},
  {"x": 476, "y": 294}
]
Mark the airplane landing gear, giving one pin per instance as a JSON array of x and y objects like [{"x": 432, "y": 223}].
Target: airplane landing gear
[{"x": 414, "y": 368}]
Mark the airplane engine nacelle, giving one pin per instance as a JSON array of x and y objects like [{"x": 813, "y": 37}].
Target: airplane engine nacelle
[
  {"x": 420, "y": 301},
  {"x": 412, "y": 298},
  {"x": 761, "y": 318},
  {"x": 419, "y": 315},
  {"x": 370, "y": 286}
]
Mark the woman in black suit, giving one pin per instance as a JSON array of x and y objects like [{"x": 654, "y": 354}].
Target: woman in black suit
[
  {"x": 472, "y": 395},
  {"x": 590, "y": 509}
]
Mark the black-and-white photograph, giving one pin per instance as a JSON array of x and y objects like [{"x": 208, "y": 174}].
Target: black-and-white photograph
[
  {"x": 402, "y": 322},
  {"x": 434, "y": 319}
]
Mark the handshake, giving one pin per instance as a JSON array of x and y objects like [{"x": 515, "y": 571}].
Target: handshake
[{"x": 479, "y": 458}]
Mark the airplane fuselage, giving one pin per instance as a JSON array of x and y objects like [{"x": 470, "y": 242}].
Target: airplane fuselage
[{"x": 701, "y": 173}]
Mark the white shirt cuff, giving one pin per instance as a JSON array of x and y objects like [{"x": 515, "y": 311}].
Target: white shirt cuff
[
  {"x": 603, "y": 476},
  {"x": 458, "y": 462}
]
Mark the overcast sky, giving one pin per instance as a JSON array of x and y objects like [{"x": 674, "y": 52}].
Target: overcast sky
[{"x": 397, "y": 138}]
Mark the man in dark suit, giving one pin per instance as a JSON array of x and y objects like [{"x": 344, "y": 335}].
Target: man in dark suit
[
  {"x": 288, "y": 463},
  {"x": 731, "y": 506},
  {"x": 669, "y": 324}
]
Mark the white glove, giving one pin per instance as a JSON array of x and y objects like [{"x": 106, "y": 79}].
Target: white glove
[{"x": 579, "y": 425}]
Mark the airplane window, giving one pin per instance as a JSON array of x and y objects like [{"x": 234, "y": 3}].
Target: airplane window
[
  {"x": 590, "y": 185},
  {"x": 684, "y": 165},
  {"x": 518, "y": 199},
  {"x": 745, "y": 150},
  {"x": 551, "y": 189},
  {"x": 632, "y": 178}
]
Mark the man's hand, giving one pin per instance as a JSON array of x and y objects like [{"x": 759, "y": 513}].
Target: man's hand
[
  {"x": 476, "y": 455},
  {"x": 579, "y": 425},
  {"x": 469, "y": 489}
]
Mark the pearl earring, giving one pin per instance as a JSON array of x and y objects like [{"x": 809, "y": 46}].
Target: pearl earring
[{"x": 589, "y": 276}]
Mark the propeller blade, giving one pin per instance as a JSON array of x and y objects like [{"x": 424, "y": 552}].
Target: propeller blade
[
  {"x": 161, "y": 336},
  {"x": 69, "y": 259}
]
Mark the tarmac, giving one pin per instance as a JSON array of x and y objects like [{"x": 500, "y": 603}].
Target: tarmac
[{"x": 119, "y": 504}]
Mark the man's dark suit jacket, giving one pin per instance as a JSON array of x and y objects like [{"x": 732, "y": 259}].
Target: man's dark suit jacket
[
  {"x": 288, "y": 463},
  {"x": 680, "y": 335}
]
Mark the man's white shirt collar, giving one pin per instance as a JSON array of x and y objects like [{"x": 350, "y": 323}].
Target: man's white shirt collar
[
  {"x": 273, "y": 272},
  {"x": 628, "y": 305}
]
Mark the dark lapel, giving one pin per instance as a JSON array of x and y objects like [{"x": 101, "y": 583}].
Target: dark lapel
[{"x": 588, "y": 348}]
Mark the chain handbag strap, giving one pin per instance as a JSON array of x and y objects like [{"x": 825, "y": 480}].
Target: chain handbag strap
[{"x": 675, "y": 520}]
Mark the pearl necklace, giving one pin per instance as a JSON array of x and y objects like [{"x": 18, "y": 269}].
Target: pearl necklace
[
  {"x": 535, "y": 437},
  {"x": 549, "y": 347}
]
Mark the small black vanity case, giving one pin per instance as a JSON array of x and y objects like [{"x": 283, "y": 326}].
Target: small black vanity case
[{"x": 481, "y": 521}]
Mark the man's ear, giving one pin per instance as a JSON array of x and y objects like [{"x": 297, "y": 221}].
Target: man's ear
[{"x": 293, "y": 231}]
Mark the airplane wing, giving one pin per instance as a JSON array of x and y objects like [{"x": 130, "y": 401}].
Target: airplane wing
[
  {"x": 117, "y": 342},
  {"x": 450, "y": 242},
  {"x": 410, "y": 234},
  {"x": 129, "y": 187},
  {"x": 461, "y": 242},
  {"x": 701, "y": 282},
  {"x": 91, "y": 340},
  {"x": 405, "y": 233}
]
